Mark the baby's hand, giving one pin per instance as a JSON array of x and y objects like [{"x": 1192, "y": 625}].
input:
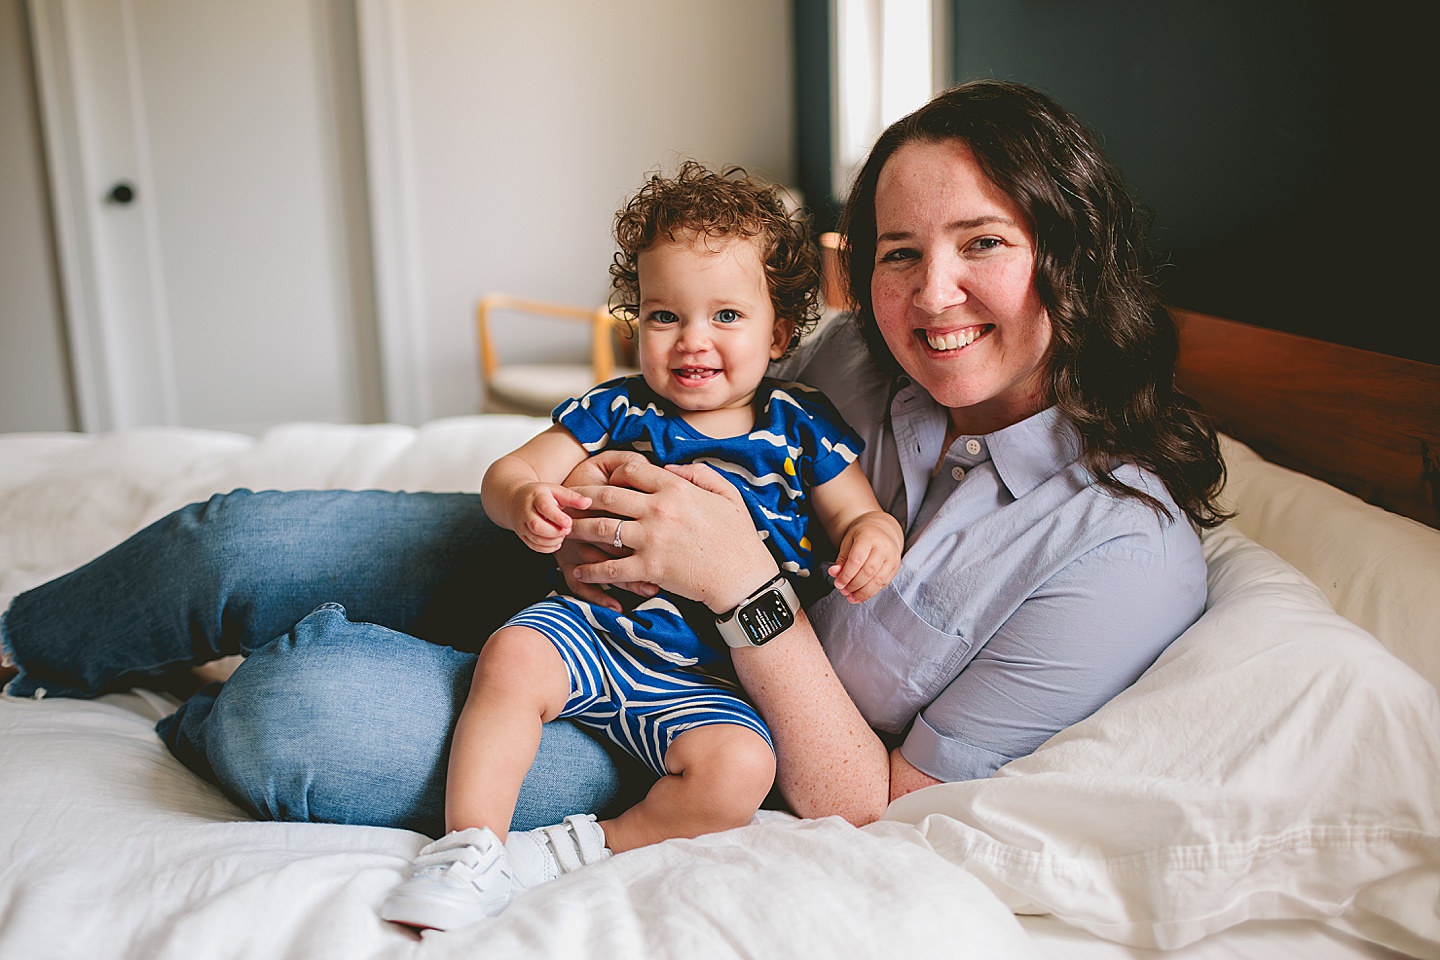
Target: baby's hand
[
  {"x": 869, "y": 556},
  {"x": 540, "y": 517}
]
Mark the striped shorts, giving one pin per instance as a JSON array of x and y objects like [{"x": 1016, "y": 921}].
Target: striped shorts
[{"x": 638, "y": 706}]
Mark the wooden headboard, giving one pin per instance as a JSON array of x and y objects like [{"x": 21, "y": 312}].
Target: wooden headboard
[{"x": 1364, "y": 422}]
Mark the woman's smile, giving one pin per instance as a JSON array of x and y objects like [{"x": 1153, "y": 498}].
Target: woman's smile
[{"x": 954, "y": 339}]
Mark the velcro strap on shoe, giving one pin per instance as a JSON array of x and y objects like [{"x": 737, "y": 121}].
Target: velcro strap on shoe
[
  {"x": 565, "y": 846},
  {"x": 471, "y": 851},
  {"x": 576, "y": 841},
  {"x": 467, "y": 856},
  {"x": 589, "y": 838}
]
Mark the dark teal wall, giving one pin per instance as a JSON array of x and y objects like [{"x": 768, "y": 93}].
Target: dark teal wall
[
  {"x": 812, "y": 109},
  {"x": 1285, "y": 147},
  {"x": 1278, "y": 143}
]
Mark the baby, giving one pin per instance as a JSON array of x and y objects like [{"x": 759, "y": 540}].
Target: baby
[{"x": 719, "y": 280}]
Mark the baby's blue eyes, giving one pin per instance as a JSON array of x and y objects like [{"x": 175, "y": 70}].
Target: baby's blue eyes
[{"x": 665, "y": 316}]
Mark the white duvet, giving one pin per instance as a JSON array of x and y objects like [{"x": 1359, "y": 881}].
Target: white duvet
[{"x": 1277, "y": 762}]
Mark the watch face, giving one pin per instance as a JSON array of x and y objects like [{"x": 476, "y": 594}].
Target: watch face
[{"x": 765, "y": 617}]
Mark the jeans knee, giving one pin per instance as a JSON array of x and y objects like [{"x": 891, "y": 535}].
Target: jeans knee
[
  {"x": 200, "y": 535},
  {"x": 337, "y": 722},
  {"x": 342, "y": 722}
]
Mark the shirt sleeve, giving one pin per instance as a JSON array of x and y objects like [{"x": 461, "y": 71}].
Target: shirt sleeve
[
  {"x": 591, "y": 418},
  {"x": 830, "y": 444},
  {"x": 1077, "y": 641}
]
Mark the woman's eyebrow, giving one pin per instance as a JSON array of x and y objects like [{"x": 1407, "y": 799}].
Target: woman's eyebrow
[
  {"x": 967, "y": 224},
  {"x": 974, "y": 222}
]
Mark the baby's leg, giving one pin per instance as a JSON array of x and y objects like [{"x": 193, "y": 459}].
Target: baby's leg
[
  {"x": 520, "y": 682},
  {"x": 719, "y": 775}
]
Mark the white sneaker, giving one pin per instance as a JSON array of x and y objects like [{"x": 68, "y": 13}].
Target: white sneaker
[
  {"x": 463, "y": 877},
  {"x": 546, "y": 853}
]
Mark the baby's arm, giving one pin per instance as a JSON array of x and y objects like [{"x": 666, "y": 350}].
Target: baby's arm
[
  {"x": 522, "y": 490},
  {"x": 870, "y": 539}
]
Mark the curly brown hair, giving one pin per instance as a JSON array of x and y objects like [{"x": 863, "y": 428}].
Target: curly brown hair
[
  {"x": 728, "y": 203},
  {"x": 1111, "y": 368}
]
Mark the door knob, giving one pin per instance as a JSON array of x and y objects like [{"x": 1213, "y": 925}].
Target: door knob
[{"x": 122, "y": 193}]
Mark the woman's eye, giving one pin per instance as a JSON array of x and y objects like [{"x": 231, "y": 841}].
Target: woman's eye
[
  {"x": 727, "y": 316},
  {"x": 987, "y": 243},
  {"x": 897, "y": 255}
]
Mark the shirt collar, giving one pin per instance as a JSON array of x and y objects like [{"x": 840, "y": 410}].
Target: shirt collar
[{"x": 1026, "y": 454}]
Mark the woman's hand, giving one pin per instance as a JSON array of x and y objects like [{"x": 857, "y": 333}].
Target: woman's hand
[
  {"x": 686, "y": 530},
  {"x": 573, "y": 554}
]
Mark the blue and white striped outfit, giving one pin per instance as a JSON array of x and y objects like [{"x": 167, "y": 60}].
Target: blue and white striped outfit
[{"x": 645, "y": 675}]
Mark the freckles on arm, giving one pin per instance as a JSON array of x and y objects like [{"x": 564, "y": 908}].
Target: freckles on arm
[
  {"x": 905, "y": 777},
  {"x": 830, "y": 761}
]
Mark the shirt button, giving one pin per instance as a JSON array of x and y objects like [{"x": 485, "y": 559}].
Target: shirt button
[
  {"x": 958, "y": 473},
  {"x": 972, "y": 446}
]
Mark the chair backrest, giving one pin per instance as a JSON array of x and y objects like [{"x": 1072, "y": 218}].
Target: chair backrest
[
  {"x": 536, "y": 388},
  {"x": 602, "y": 349},
  {"x": 836, "y": 296}
]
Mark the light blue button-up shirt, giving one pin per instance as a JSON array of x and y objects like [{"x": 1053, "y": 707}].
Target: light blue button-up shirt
[{"x": 1027, "y": 596}]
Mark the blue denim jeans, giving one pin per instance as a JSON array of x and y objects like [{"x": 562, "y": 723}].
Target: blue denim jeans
[{"x": 359, "y": 614}]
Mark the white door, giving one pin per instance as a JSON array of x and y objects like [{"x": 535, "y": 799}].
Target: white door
[{"x": 210, "y": 207}]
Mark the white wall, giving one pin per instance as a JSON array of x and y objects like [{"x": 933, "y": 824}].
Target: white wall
[
  {"x": 524, "y": 126},
  {"x": 531, "y": 123},
  {"x": 34, "y": 383}
]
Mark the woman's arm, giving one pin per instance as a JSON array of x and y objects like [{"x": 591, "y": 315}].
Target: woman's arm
[
  {"x": 830, "y": 761},
  {"x": 690, "y": 534},
  {"x": 905, "y": 777}
]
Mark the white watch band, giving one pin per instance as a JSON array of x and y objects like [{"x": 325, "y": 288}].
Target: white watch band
[{"x": 762, "y": 616}]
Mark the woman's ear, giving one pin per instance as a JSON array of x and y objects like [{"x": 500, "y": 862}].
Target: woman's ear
[{"x": 783, "y": 333}]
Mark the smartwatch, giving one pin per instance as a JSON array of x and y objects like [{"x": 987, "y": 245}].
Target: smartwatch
[{"x": 762, "y": 616}]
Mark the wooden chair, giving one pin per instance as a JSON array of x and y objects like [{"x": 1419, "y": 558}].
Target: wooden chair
[
  {"x": 536, "y": 388},
  {"x": 836, "y": 296}
]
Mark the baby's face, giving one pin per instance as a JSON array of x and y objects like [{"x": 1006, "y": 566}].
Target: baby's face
[{"x": 707, "y": 325}]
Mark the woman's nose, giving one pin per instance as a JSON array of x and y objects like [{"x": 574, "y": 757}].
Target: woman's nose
[{"x": 942, "y": 286}]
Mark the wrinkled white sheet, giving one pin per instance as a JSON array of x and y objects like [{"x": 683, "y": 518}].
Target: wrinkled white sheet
[{"x": 109, "y": 848}]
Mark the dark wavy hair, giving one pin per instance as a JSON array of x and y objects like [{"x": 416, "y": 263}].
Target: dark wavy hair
[
  {"x": 1111, "y": 365},
  {"x": 730, "y": 203}
]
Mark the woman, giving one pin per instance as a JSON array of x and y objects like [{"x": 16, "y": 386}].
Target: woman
[{"x": 1011, "y": 369}]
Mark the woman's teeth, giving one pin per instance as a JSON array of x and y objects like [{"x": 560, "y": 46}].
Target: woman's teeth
[{"x": 954, "y": 341}]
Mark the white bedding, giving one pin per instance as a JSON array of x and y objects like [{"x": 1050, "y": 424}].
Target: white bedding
[{"x": 1270, "y": 787}]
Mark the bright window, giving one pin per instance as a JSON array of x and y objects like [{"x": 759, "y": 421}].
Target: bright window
[{"x": 884, "y": 68}]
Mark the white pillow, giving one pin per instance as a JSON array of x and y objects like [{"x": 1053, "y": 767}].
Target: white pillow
[
  {"x": 1378, "y": 568},
  {"x": 1276, "y": 762}
]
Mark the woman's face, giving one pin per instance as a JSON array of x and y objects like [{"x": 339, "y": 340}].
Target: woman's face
[{"x": 954, "y": 290}]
